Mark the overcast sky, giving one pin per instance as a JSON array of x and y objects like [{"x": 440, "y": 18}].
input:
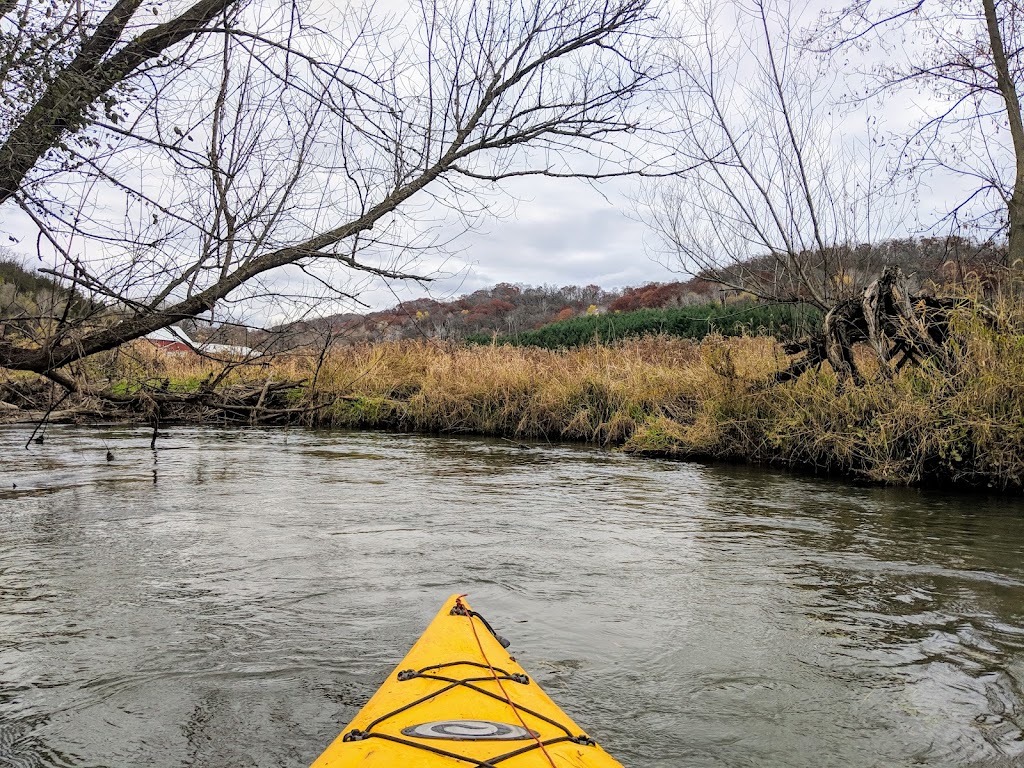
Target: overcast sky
[
  {"x": 559, "y": 232},
  {"x": 546, "y": 232}
]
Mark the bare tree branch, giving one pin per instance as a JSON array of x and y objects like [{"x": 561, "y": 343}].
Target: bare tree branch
[{"x": 270, "y": 144}]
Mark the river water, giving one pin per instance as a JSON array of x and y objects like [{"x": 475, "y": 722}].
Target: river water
[{"x": 233, "y": 598}]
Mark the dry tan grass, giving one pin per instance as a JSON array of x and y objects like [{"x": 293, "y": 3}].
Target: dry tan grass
[{"x": 596, "y": 394}]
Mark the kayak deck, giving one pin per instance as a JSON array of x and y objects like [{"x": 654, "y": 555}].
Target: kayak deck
[{"x": 458, "y": 697}]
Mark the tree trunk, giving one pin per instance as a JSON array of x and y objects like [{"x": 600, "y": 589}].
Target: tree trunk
[{"x": 1015, "y": 121}]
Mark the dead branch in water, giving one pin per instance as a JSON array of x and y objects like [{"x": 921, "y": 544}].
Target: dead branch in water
[{"x": 267, "y": 403}]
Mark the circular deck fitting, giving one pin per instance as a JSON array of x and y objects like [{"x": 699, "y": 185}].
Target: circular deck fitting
[{"x": 469, "y": 730}]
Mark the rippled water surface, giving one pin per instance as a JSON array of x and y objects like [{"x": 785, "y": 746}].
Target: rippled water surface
[{"x": 233, "y": 598}]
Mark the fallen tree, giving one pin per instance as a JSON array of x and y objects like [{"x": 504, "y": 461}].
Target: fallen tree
[{"x": 45, "y": 400}]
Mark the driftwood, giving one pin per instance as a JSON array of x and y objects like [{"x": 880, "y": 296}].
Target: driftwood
[
  {"x": 267, "y": 403},
  {"x": 898, "y": 327}
]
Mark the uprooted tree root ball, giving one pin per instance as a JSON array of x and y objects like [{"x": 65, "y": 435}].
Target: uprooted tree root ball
[{"x": 898, "y": 328}]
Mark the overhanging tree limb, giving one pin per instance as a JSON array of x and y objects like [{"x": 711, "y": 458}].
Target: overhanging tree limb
[
  {"x": 299, "y": 164},
  {"x": 64, "y": 105}
]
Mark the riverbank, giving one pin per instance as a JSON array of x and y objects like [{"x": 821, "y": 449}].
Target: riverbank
[{"x": 654, "y": 396}]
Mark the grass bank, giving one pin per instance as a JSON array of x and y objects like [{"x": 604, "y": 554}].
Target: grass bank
[{"x": 652, "y": 396}]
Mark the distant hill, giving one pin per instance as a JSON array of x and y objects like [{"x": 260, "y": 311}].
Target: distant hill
[
  {"x": 518, "y": 310},
  {"x": 514, "y": 310},
  {"x": 21, "y": 280},
  {"x": 504, "y": 309},
  {"x": 26, "y": 294}
]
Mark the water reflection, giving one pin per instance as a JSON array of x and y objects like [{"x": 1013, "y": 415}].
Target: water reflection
[{"x": 239, "y": 610}]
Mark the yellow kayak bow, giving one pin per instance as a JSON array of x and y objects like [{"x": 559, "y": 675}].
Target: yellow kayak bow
[{"x": 459, "y": 698}]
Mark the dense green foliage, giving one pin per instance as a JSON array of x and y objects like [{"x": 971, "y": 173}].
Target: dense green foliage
[{"x": 783, "y": 321}]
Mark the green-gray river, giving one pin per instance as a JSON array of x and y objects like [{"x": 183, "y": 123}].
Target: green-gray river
[{"x": 233, "y": 598}]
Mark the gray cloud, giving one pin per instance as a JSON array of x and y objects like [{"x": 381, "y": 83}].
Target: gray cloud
[{"x": 558, "y": 232}]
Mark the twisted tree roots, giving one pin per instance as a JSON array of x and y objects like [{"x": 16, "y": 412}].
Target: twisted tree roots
[{"x": 900, "y": 328}]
